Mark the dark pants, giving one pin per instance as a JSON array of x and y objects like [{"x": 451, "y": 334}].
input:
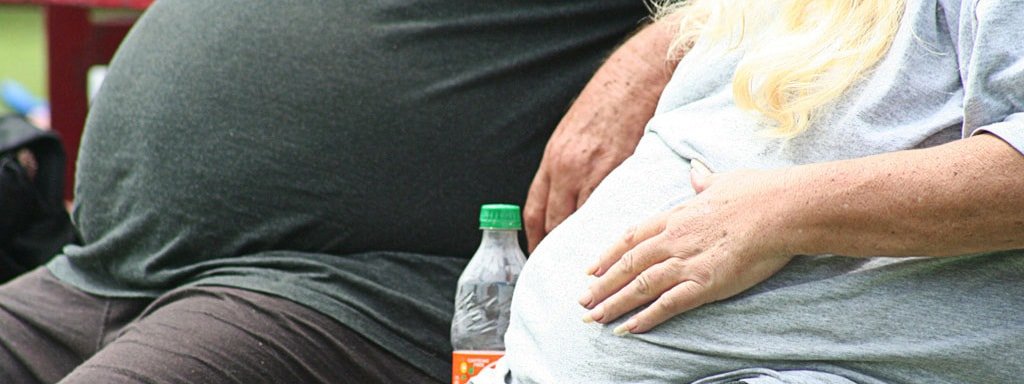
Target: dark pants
[{"x": 50, "y": 332}]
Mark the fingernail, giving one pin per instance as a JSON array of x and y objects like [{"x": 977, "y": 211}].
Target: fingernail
[
  {"x": 625, "y": 328},
  {"x": 586, "y": 299},
  {"x": 595, "y": 314}
]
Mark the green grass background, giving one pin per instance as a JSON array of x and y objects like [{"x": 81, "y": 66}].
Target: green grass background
[{"x": 22, "y": 48}]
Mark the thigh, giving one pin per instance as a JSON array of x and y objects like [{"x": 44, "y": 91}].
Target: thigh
[
  {"x": 228, "y": 335},
  {"x": 47, "y": 327}
]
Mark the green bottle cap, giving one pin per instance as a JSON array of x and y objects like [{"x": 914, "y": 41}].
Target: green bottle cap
[{"x": 500, "y": 216}]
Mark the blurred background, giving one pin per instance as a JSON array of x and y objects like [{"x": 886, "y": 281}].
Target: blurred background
[
  {"x": 52, "y": 58},
  {"x": 23, "y": 49}
]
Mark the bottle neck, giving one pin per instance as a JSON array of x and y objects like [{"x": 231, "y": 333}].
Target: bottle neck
[{"x": 501, "y": 237}]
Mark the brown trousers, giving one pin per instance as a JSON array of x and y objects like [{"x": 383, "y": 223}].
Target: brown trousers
[{"x": 51, "y": 332}]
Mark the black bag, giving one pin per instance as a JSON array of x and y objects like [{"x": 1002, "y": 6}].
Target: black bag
[{"x": 34, "y": 224}]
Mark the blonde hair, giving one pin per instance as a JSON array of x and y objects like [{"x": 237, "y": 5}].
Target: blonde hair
[{"x": 798, "y": 55}]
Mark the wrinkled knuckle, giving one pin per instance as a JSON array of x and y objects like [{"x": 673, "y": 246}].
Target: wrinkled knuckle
[
  {"x": 643, "y": 284},
  {"x": 694, "y": 290},
  {"x": 675, "y": 266},
  {"x": 701, "y": 273},
  {"x": 629, "y": 262},
  {"x": 667, "y": 303},
  {"x": 677, "y": 232}
]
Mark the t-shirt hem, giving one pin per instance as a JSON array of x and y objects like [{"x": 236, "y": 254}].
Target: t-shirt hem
[
  {"x": 61, "y": 268},
  {"x": 1010, "y": 131}
]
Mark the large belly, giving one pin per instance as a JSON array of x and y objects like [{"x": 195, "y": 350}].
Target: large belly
[
  {"x": 868, "y": 319},
  {"x": 344, "y": 129}
]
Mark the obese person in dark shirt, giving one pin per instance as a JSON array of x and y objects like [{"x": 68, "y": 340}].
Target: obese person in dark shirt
[{"x": 288, "y": 192}]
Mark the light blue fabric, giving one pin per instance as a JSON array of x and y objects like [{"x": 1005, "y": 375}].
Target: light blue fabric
[{"x": 768, "y": 376}]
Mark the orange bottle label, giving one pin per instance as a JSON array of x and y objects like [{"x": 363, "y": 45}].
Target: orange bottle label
[{"x": 466, "y": 364}]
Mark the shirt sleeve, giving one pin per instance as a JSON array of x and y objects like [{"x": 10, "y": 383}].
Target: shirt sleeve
[{"x": 991, "y": 50}]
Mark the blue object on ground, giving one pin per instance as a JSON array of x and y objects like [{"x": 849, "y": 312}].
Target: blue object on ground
[{"x": 20, "y": 99}]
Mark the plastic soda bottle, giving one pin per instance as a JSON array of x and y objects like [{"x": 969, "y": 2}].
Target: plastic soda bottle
[{"x": 483, "y": 298}]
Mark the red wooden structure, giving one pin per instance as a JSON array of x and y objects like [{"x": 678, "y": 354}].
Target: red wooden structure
[{"x": 75, "y": 42}]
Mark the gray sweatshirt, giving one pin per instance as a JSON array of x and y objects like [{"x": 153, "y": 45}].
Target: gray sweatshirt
[{"x": 955, "y": 69}]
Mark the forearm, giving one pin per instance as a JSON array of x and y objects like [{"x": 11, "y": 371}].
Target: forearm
[
  {"x": 959, "y": 198},
  {"x": 623, "y": 93}
]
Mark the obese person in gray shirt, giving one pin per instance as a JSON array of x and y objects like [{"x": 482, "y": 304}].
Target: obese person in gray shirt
[
  {"x": 827, "y": 193},
  {"x": 286, "y": 191}
]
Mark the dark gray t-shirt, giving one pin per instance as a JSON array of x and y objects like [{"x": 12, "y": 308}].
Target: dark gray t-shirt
[{"x": 334, "y": 153}]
